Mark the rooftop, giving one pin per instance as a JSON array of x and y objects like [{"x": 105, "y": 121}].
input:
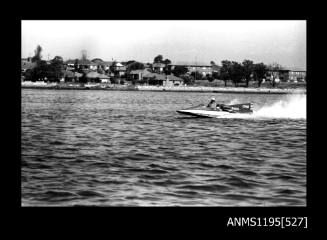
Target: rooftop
[
  {"x": 158, "y": 65},
  {"x": 191, "y": 63}
]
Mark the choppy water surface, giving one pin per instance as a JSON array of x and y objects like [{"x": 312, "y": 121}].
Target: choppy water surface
[{"x": 120, "y": 148}]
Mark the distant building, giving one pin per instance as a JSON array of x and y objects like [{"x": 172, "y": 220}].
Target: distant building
[
  {"x": 97, "y": 77},
  {"x": 119, "y": 69},
  {"x": 104, "y": 65},
  {"x": 155, "y": 78},
  {"x": 81, "y": 64},
  {"x": 158, "y": 67},
  {"x": 139, "y": 74},
  {"x": 26, "y": 64},
  {"x": 216, "y": 68},
  {"x": 297, "y": 75},
  {"x": 205, "y": 69},
  {"x": 287, "y": 75}
]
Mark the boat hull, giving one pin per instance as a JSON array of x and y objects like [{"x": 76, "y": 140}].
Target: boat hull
[
  {"x": 224, "y": 111},
  {"x": 204, "y": 113}
]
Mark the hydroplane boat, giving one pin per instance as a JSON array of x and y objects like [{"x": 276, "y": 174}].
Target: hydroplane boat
[{"x": 221, "y": 110}]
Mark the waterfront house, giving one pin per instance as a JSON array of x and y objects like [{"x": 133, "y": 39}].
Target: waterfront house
[
  {"x": 287, "y": 75},
  {"x": 104, "y": 78},
  {"x": 118, "y": 69},
  {"x": 139, "y": 74},
  {"x": 203, "y": 68},
  {"x": 158, "y": 67},
  {"x": 172, "y": 80},
  {"x": 296, "y": 75},
  {"x": 27, "y": 64},
  {"x": 68, "y": 76},
  {"x": 81, "y": 64},
  {"x": 77, "y": 76},
  {"x": 104, "y": 65},
  {"x": 156, "y": 78},
  {"x": 97, "y": 77},
  {"x": 92, "y": 77},
  {"x": 147, "y": 66}
]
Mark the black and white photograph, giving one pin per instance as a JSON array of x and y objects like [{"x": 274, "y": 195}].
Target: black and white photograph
[{"x": 163, "y": 113}]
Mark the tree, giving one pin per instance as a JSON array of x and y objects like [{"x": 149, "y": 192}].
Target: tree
[
  {"x": 179, "y": 70},
  {"x": 166, "y": 61},
  {"x": 225, "y": 71},
  {"x": 188, "y": 80},
  {"x": 274, "y": 68},
  {"x": 259, "y": 71},
  {"x": 197, "y": 75},
  {"x": 247, "y": 70},
  {"x": 37, "y": 56},
  {"x": 158, "y": 59},
  {"x": 54, "y": 70},
  {"x": 57, "y": 59},
  {"x": 210, "y": 78},
  {"x": 216, "y": 75},
  {"x": 212, "y": 63},
  {"x": 237, "y": 73},
  {"x": 41, "y": 71}
]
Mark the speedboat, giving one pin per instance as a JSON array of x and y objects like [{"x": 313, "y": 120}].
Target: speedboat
[{"x": 221, "y": 110}]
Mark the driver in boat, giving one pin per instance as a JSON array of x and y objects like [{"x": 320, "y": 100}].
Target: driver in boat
[{"x": 213, "y": 105}]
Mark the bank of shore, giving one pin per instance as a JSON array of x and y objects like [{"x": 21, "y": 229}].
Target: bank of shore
[
  {"x": 167, "y": 89},
  {"x": 222, "y": 89}
]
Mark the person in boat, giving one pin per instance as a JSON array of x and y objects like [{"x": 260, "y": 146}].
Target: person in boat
[{"x": 212, "y": 104}]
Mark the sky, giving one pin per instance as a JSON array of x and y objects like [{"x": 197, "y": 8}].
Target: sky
[{"x": 200, "y": 41}]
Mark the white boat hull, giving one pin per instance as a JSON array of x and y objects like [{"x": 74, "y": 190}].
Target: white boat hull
[
  {"x": 204, "y": 113},
  {"x": 224, "y": 111}
]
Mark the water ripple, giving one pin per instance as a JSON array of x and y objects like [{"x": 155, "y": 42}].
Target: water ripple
[{"x": 112, "y": 148}]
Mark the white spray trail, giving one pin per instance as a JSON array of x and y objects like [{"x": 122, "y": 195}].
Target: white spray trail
[
  {"x": 293, "y": 106},
  {"x": 289, "y": 107}
]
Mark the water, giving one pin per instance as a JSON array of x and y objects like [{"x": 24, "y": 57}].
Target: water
[{"x": 130, "y": 148}]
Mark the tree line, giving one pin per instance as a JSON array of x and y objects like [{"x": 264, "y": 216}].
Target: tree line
[
  {"x": 242, "y": 72},
  {"x": 231, "y": 71}
]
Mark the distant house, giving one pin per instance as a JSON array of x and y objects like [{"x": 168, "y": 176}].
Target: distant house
[
  {"x": 215, "y": 68},
  {"x": 119, "y": 69},
  {"x": 68, "y": 76},
  {"x": 70, "y": 64},
  {"x": 155, "y": 78},
  {"x": 104, "y": 78},
  {"x": 81, "y": 64},
  {"x": 205, "y": 69},
  {"x": 297, "y": 75},
  {"x": 147, "y": 66},
  {"x": 139, "y": 74},
  {"x": 104, "y": 65},
  {"x": 172, "y": 80},
  {"x": 97, "y": 77},
  {"x": 26, "y": 64},
  {"x": 287, "y": 75},
  {"x": 158, "y": 67}
]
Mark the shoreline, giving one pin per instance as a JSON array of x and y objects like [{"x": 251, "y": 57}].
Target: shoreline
[{"x": 173, "y": 89}]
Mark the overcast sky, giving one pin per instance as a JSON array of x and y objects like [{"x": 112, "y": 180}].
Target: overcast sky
[{"x": 202, "y": 41}]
